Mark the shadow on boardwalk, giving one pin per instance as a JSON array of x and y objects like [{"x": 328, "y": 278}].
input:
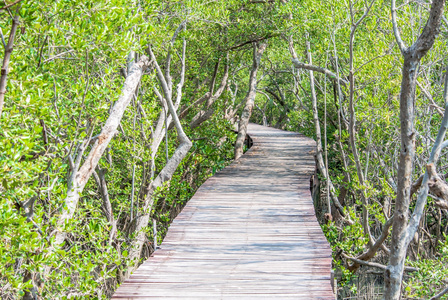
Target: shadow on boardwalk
[{"x": 249, "y": 232}]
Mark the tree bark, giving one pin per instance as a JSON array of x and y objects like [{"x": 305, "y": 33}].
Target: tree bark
[
  {"x": 249, "y": 100},
  {"x": 401, "y": 232}
]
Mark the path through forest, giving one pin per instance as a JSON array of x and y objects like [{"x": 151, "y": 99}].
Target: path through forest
[{"x": 249, "y": 232}]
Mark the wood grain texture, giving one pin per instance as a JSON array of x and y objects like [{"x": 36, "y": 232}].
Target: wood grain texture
[{"x": 249, "y": 232}]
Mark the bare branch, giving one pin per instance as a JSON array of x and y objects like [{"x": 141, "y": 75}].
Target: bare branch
[
  {"x": 106, "y": 206},
  {"x": 291, "y": 48},
  {"x": 256, "y": 40},
  {"x": 171, "y": 166},
  {"x": 426, "y": 39},
  {"x": 428, "y": 95},
  {"x": 364, "y": 15},
  {"x": 400, "y": 42},
  {"x": 163, "y": 82},
  {"x": 7, "y": 57},
  {"x": 430, "y": 171},
  {"x": 375, "y": 265},
  {"x": 370, "y": 253},
  {"x": 364, "y": 263},
  {"x": 57, "y": 56},
  {"x": 10, "y": 5},
  {"x": 440, "y": 294},
  {"x": 201, "y": 100},
  {"x": 3, "y": 38},
  {"x": 301, "y": 65}
]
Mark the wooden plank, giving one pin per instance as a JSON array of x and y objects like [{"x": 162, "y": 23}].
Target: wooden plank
[{"x": 249, "y": 232}]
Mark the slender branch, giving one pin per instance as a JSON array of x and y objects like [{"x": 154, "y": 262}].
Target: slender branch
[
  {"x": 204, "y": 115},
  {"x": 369, "y": 254},
  {"x": 182, "y": 76},
  {"x": 253, "y": 41},
  {"x": 368, "y": 62},
  {"x": 364, "y": 263},
  {"x": 400, "y": 42},
  {"x": 9, "y": 5},
  {"x": 301, "y": 65},
  {"x": 430, "y": 98},
  {"x": 364, "y": 15},
  {"x": 166, "y": 89},
  {"x": 433, "y": 158},
  {"x": 201, "y": 100},
  {"x": 167, "y": 76},
  {"x": 375, "y": 265},
  {"x": 57, "y": 56},
  {"x": 291, "y": 48},
  {"x": 261, "y": 1},
  {"x": 3, "y": 38},
  {"x": 440, "y": 294}
]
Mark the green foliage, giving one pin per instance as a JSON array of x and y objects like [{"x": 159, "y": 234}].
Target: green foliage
[
  {"x": 66, "y": 73},
  {"x": 64, "y": 76},
  {"x": 431, "y": 276}
]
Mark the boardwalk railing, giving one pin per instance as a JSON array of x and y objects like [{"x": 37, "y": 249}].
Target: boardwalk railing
[{"x": 249, "y": 232}]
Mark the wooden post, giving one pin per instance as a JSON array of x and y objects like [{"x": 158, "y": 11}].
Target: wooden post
[
  {"x": 154, "y": 232},
  {"x": 334, "y": 284}
]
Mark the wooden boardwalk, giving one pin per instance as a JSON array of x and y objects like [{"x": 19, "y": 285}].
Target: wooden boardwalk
[{"x": 249, "y": 232}]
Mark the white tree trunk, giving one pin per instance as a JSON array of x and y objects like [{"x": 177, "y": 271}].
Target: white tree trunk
[
  {"x": 80, "y": 176},
  {"x": 249, "y": 100},
  {"x": 168, "y": 171}
]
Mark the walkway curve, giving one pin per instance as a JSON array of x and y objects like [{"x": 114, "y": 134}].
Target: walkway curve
[{"x": 249, "y": 232}]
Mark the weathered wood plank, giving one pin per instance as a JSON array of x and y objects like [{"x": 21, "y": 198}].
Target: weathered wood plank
[{"x": 249, "y": 232}]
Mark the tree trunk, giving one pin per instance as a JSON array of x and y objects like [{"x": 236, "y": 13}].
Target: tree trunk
[
  {"x": 80, "y": 176},
  {"x": 400, "y": 233},
  {"x": 249, "y": 100},
  {"x": 352, "y": 124},
  {"x": 171, "y": 166},
  {"x": 319, "y": 158},
  {"x": 6, "y": 58}
]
